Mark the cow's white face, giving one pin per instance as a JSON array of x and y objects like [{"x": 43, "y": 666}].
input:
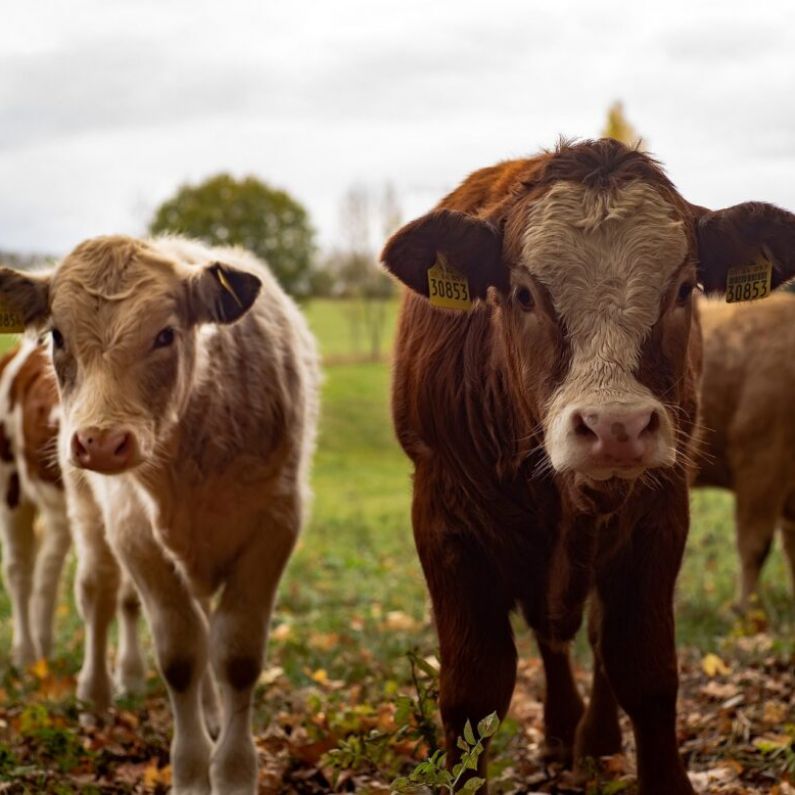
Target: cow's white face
[{"x": 605, "y": 268}]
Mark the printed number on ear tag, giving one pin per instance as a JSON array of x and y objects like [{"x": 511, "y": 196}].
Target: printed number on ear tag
[
  {"x": 749, "y": 282},
  {"x": 10, "y": 319},
  {"x": 446, "y": 287}
]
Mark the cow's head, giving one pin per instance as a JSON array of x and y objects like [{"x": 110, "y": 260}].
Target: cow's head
[
  {"x": 590, "y": 257},
  {"x": 124, "y": 318}
]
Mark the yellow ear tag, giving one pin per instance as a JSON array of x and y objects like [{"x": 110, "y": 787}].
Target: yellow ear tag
[
  {"x": 225, "y": 284},
  {"x": 10, "y": 319},
  {"x": 749, "y": 282},
  {"x": 447, "y": 287}
]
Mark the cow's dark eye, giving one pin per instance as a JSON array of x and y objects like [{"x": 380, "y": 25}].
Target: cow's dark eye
[
  {"x": 164, "y": 338},
  {"x": 525, "y": 298},
  {"x": 685, "y": 291},
  {"x": 57, "y": 339}
]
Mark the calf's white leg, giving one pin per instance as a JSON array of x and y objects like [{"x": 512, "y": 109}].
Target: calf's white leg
[
  {"x": 179, "y": 631},
  {"x": 52, "y": 552},
  {"x": 130, "y": 673},
  {"x": 238, "y": 633},
  {"x": 19, "y": 555},
  {"x": 96, "y": 587}
]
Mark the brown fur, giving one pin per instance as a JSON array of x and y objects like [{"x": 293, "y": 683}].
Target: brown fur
[
  {"x": 35, "y": 388},
  {"x": 748, "y": 430},
  {"x": 494, "y": 526}
]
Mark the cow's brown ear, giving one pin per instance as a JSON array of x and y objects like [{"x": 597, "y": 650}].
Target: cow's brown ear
[
  {"x": 220, "y": 293},
  {"x": 27, "y": 294},
  {"x": 470, "y": 245},
  {"x": 736, "y": 236}
]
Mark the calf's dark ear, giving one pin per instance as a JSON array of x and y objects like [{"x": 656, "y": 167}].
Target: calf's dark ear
[
  {"x": 220, "y": 293},
  {"x": 470, "y": 245},
  {"x": 26, "y": 294},
  {"x": 737, "y": 235}
]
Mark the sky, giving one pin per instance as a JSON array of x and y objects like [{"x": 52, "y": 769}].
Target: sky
[{"x": 107, "y": 107}]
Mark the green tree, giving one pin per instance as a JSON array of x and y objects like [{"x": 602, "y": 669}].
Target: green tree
[
  {"x": 246, "y": 212},
  {"x": 617, "y": 126}
]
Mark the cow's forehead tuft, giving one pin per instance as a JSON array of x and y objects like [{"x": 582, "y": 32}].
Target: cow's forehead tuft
[
  {"x": 606, "y": 257},
  {"x": 113, "y": 268}
]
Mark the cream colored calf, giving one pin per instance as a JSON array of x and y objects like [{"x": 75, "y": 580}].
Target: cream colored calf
[
  {"x": 189, "y": 391},
  {"x": 31, "y": 492}
]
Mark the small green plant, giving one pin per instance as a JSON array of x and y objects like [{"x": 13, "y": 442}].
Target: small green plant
[
  {"x": 433, "y": 771},
  {"x": 413, "y": 718}
]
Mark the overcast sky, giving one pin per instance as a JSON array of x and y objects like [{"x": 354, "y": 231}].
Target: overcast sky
[{"x": 106, "y": 107}]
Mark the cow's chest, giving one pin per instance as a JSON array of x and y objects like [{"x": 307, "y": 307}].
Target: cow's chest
[{"x": 203, "y": 524}]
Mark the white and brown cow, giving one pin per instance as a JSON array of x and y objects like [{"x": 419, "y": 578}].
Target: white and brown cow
[
  {"x": 33, "y": 557},
  {"x": 31, "y": 487},
  {"x": 551, "y": 428},
  {"x": 188, "y": 382}
]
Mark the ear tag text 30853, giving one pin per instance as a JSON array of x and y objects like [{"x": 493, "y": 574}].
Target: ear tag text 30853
[
  {"x": 10, "y": 319},
  {"x": 446, "y": 287},
  {"x": 749, "y": 282}
]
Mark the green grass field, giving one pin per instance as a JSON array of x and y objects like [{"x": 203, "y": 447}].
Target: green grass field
[{"x": 353, "y": 600}]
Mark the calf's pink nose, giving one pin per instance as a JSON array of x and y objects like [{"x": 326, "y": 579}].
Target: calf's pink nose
[
  {"x": 102, "y": 450},
  {"x": 621, "y": 437}
]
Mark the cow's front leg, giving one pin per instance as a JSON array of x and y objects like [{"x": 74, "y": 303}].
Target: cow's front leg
[
  {"x": 19, "y": 555},
  {"x": 238, "y": 634},
  {"x": 477, "y": 650},
  {"x": 179, "y": 632},
  {"x": 130, "y": 673},
  {"x": 636, "y": 640},
  {"x": 563, "y": 705},
  {"x": 599, "y": 732},
  {"x": 96, "y": 586},
  {"x": 47, "y": 575}
]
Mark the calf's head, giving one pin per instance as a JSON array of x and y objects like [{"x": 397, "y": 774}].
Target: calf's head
[
  {"x": 590, "y": 257},
  {"x": 124, "y": 319}
]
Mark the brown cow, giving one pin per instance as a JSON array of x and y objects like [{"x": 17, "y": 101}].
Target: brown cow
[
  {"x": 747, "y": 423},
  {"x": 551, "y": 430}
]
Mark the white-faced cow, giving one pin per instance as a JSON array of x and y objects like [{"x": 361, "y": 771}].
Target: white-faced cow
[
  {"x": 188, "y": 382},
  {"x": 551, "y": 425}
]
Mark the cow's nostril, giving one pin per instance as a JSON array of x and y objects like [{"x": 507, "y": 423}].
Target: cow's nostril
[
  {"x": 77, "y": 446},
  {"x": 653, "y": 424},
  {"x": 580, "y": 426},
  {"x": 121, "y": 449}
]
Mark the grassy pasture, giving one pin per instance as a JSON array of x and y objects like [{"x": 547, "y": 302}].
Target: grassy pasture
[{"x": 352, "y": 605}]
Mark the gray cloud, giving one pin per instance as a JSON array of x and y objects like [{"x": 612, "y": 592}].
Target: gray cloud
[{"x": 101, "y": 121}]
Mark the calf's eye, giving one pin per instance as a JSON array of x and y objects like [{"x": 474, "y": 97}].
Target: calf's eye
[
  {"x": 164, "y": 338},
  {"x": 525, "y": 298},
  {"x": 57, "y": 339}
]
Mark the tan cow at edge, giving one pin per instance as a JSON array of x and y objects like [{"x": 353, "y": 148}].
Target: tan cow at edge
[
  {"x": 748, "y": 423},
  {"x": 551, "y": 430},
  {"x": 188, "y": 382}
]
